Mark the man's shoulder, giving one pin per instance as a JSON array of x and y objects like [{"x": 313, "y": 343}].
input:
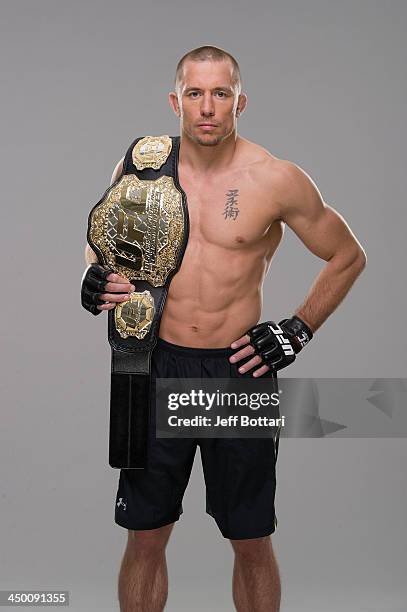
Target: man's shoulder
[
  {"x": 266, "y": 166},
  {"x": 291, "y": 187}
]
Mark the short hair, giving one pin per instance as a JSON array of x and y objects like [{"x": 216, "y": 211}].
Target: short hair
[{"x": 209, "y": 53}]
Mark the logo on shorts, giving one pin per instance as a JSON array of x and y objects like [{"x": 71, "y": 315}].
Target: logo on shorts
[{"x": 121, "y": 503}]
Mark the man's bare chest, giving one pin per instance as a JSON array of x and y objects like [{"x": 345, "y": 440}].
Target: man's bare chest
[{"x": 231, "y": 211}]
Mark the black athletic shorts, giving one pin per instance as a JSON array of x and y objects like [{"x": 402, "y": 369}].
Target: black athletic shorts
[{"x": 240, "y": 473}]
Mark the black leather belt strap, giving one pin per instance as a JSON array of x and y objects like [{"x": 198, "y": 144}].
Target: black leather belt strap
[{"x": 130, "y": 401}]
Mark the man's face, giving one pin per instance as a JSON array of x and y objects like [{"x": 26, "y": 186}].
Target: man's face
[{"x": 207, "y": 101}]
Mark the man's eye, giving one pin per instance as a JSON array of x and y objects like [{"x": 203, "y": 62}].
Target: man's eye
[
  {"x": 193, "y": 94},
  {"x": 221, "y": 94}
]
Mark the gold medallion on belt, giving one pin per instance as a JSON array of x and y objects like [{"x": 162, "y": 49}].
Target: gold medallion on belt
[{"x": 151, "y": 152}]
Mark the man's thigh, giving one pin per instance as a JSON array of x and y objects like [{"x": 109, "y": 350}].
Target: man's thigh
[
  {"x": 240, "y": 477},
  {"x": 152, "y": 497}
]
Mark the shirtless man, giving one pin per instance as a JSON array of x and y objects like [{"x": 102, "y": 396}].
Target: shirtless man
[{"x": 239, "y": 199}]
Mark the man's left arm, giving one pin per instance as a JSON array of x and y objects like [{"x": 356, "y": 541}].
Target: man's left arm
[{"x": 327, "y": 235}]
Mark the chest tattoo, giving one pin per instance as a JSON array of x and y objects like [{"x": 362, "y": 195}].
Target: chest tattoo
[{"x": 231, "y": 207}]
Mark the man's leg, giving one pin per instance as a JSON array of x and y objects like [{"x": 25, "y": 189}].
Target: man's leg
[
  {"x": 256, "y": 578},
  {"x": 143, "y": 577}
]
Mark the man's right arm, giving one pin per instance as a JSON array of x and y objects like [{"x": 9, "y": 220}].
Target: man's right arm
[{"x": 90, "y": 255}]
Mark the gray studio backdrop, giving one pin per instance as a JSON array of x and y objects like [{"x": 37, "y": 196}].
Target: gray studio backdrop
[{"x": 326, "y": 89}]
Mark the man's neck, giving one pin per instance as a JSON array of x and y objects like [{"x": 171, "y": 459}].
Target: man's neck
[{"x": 205, "y": 159}]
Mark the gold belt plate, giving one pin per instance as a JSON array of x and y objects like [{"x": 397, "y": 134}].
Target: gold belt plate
[{"x": 139, "y": 228}]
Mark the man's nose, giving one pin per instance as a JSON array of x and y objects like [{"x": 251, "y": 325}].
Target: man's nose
[{"x": 207, "y": 106}]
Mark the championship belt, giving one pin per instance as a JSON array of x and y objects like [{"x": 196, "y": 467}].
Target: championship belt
[{"x": 140, "y": 230}]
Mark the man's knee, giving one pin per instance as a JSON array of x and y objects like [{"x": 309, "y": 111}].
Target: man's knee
[
  {"x": 252, "y": 549},
  {"x": 149, "y": 542}
]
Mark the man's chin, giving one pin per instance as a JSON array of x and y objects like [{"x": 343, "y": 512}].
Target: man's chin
[{"x": 208, "y": 141}]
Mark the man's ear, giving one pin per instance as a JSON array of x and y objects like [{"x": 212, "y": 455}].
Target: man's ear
[
  {"x": 173, "y": 101},
  {"x": 241, "y": 104}
]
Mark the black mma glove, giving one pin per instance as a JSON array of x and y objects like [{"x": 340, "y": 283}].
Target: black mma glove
[
  {"x": 93, "y": 285},
  {"x": 278, "y": 344}
]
